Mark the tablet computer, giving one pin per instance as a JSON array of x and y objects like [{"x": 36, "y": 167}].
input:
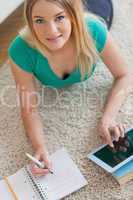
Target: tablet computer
[{"x": 111, "y": 161}]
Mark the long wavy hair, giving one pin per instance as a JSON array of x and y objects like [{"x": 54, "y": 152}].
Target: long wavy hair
[{"x": 86, "y": 54}]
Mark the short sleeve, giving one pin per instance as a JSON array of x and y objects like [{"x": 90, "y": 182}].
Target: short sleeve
[
  {"x": 98, "y": 31},
  {"x": 21, "y": 53}
]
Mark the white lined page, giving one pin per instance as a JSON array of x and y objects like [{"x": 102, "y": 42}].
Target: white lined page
[{"x": 66, "y": 178}]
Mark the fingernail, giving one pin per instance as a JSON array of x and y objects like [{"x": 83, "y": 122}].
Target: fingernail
[
  {"x": 34, "y": 168},
  {"x": 117, "y": 139},
  {"x": 112, "y": 145}
]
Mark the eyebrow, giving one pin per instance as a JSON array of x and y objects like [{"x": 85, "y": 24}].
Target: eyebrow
[{"x": 54, "y": 15}]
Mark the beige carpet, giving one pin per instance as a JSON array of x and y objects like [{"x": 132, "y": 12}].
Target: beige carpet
[{"x": 70, "y": 116}]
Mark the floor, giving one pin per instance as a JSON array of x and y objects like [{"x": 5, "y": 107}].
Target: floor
[{"x": 8, "y": 30}]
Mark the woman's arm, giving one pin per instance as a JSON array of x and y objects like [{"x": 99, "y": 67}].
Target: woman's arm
[
  {"x": 123, "y": 79},
  {"x": 27, "y": 92}
]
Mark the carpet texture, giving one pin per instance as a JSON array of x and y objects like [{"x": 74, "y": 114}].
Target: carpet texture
[{"x": 70, "y": 117}]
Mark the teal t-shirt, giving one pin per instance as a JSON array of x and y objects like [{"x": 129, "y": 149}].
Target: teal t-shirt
[{"x": 32, "y": 61}]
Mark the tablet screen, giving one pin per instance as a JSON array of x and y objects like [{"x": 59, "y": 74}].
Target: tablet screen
[{"x": 112, "y": 159}]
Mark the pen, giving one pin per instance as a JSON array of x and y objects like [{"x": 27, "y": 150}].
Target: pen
[{"x": 37, "y": 162}]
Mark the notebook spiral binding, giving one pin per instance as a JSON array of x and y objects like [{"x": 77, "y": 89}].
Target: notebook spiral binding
[{"x": 37, "y": 187}]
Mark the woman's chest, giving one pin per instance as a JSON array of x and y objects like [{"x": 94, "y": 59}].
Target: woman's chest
[
  {"x": 63, "y": 63},
  {"x": 63, "y": 66},
  {"x": 54, "y": 76}
]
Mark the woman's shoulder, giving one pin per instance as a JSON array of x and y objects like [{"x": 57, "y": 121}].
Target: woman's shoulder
[
  {"x": 22, "y": 53},
  {"x": 18, "y": 44},
  {"x": 94, "y": 23},
  {"x": 97, "y": 29}
]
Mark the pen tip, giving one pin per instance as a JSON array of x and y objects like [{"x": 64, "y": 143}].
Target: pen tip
[{"x": 51, "y": 172}]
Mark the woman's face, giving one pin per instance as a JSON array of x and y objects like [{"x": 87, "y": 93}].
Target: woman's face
[{"x": 51, "y": 24}]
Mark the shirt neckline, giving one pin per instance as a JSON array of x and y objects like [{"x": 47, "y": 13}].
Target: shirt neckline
[
  {"x": 56, "y": 76},
  {"x": 49, "y": 67}
]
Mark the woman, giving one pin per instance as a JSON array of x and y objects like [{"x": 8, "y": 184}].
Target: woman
[{"x": 59, "y": 47}]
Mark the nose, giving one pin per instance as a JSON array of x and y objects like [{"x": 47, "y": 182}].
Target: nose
[{"x": 52, "y": 29}]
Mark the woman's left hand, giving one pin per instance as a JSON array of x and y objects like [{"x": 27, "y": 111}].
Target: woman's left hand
[{"x": 109, "y": 130}]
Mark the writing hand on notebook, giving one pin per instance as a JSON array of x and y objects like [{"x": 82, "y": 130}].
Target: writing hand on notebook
[
  {"x": 43, "y": 157},
  {"x": 109, "y": 130}
]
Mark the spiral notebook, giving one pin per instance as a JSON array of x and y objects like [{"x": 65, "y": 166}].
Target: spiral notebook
[{"x": 66, "y": 179}]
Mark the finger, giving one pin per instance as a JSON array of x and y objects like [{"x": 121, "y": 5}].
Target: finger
[
  {"x": 117, "y": 133},
  {"x": 122, "y": 130},
  {"x": 37, "y": 170},
  {"x": 124, "y": 126},
  {"x": 116, "y": 145},
  {"x": 108, "y": 137},
  {"x": 37, "y": 156},
  {"x": 50, "y": 166},
  {"x": 103, "y": 139},
  {"x": 47, "y": 162},
  {"x": 40, "y": 174}
]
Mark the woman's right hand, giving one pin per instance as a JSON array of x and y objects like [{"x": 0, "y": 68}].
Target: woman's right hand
[{"x": 42, "y": 155}]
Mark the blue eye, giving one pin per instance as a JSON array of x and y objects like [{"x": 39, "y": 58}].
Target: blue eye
[
  {"x": 39, "y": 21},
  {"x": 60, "y": 18}
]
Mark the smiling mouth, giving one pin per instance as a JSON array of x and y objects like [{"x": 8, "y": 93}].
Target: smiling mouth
[{"x": 53, "y": 39}]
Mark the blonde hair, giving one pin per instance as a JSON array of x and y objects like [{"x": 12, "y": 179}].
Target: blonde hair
[{"x": 86, "y": 51}]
